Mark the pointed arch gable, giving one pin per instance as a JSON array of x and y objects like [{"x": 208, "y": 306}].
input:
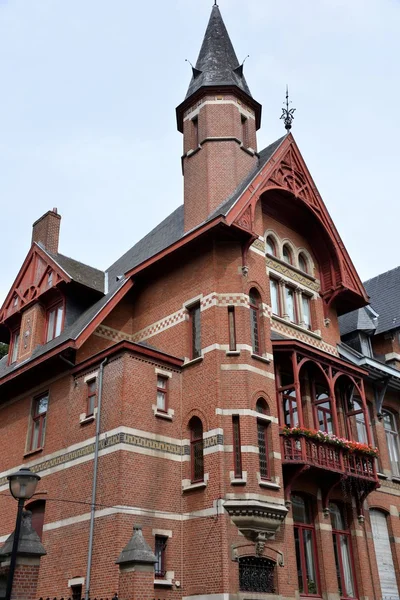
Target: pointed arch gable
[
  {"x": 287, "y": 172},
  {"x": 39, "y": 273}
]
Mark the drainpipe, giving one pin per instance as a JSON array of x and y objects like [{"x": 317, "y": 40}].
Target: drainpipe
[{"x": 94, "y": 484}]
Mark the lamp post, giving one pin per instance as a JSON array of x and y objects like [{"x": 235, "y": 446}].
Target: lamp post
[{"x": 22, "y": 487}]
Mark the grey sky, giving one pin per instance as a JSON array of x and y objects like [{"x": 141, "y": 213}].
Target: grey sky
[{"x": 87, "y": 114}]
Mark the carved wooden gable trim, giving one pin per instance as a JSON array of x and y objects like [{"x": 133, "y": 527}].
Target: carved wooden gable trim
[
  {"x": 38, "y": 274},
  {"x": 286, "y": 170}
]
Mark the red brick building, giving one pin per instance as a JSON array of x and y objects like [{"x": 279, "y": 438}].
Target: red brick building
[{"x": 203, "y": 379}]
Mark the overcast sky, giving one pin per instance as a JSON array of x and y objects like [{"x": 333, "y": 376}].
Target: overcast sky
[{"x": 87, "y": 114}]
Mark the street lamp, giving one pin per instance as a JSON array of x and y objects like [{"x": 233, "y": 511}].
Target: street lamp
[{"x": 22, "y": 487}]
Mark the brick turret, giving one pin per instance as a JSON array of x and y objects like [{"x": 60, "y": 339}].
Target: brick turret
[{"x": 218, "y": 119}]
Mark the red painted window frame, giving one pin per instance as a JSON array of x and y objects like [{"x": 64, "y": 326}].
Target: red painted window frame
[
  {"x": 325, "y": 411},
  {"x": 255, "y": 322},
  {"x": 308, "y": 298},
  {"x": 91, "y": 394},
  {"x": 160, "y": 543},
  {"x": 194, "y": 321},
  {"x": 273, "y": 244},
  {"x": 262, "y": 433},
  {"x": 292, "y": 400},
  {"x": 310, "y": 527},
  {"x": 164, "y": 392},
  {"x": 14, "y": 333},
  {"x": 296, "y": 312},
  {"x": 232, "y": 328},
  {"x": 49, "y": 310},
  {"x": 42, "y": 418},
  {"x": 237, "y": 447},
  {"x": 347, "y": 533},
  {"x": 196, "y": 445},
  {"x": 276, "y": 282}
]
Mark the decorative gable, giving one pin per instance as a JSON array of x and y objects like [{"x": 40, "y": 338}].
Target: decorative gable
[
  {"x": 38, "y": 274},
  {"x": 287, "y": 172}
]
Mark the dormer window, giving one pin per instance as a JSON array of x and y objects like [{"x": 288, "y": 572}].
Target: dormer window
[
  {"x": 55, "y": 321},
  {"x": 14, "y": 346}
]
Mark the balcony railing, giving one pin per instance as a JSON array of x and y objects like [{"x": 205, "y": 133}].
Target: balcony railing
[{"x": 323, "y": 455}]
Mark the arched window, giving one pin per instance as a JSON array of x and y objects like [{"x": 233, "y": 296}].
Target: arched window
[
  {"x": 383, "y": 552},
  {"x": 37, "y": 508},
  {"x": 343, "y": 552},
  {"x": 392, "y": 439},
  {"x": 287, "y": 254},
  {"x": 256, "y": 574},
  {"x": 303, "y": 262},
  {"x": 196, "y": 450},
  {"x": 255, "y": 301},
  {"x": 306, "y": 553},
  {"x": 262, "y": 438},
  {"x": 270, "y": 245}
]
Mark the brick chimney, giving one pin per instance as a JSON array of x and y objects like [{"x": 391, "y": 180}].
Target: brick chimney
[{"x": 46, "y": 230}]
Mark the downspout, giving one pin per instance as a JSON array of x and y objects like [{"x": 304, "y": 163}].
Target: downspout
[{"x": 94, "y": 484}]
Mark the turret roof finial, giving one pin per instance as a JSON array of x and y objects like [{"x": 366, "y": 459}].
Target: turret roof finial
[{"x": 287, "y": 113}]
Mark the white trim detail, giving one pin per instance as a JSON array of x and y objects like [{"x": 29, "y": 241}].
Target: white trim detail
[
  {"x": 90, "y": 376},
  {"x": 245, "y": 412},
  {"x": 162, "y": 372},
  {"x": 243, "y": 367},
  {"x": 76, "y": 581},
  {"x": 165, "y": 532}
]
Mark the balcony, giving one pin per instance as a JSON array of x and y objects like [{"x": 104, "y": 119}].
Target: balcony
[{"x": 332, "y": 460}]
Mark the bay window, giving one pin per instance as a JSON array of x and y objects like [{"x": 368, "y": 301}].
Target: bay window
[{"x": 392, "y": 440}]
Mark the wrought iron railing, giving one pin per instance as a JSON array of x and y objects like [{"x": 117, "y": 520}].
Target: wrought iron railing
[{"x": 300, "y": 449}]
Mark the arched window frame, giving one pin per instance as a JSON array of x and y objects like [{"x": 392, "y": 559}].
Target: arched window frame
[
  {"x": 344, "y": 558},
  {"x": 196, "y": 450},
  {"x": 255, "y": 321},
  {"x": 270, "y": 244},
  {"x": 38, "y": 509},
  {"x": 303, "y": 258},
  {"x": 290, "y": 253},
  {"x": 392, "y": 440},
  {"x": 306, "y": 548}
]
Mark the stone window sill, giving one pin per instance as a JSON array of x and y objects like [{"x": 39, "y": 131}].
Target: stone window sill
[
  {"x": 382, "y": 476},
  {"x": 269, "y": 484},
  {"x": 163, "y": 415},
  {"x": 260, "y": 358},
  {"x": 396, "y": 479},
  {"x": 193, "y": 361},
  {"x": 32, "y": 452},
  {"x": 194, "y": 486},
  {"x": 87, "y": 420},
  {"x": 233, "y": 353},
  {"x": 238, "y": 481},
  {"x": 163, "y": 583}
]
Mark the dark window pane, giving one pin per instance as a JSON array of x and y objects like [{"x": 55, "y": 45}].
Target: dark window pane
[
  {"x": 262, "y": 450},
  {"x": 256, "y": 574}
]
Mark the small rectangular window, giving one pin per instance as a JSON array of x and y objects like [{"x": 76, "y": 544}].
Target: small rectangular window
[
  {"x": 290, "y": 304},
  {"x": 232, "y": 328},
  {"x": 162, "y": 391},
  {"x": 160, "y": 552},
  {"x": 237, "y": 449},
  {"x": 39, "y": 415},
  {"x": 55, "y": 318},
  {"x": 245, "y": 132},
  {"x": 91, "y": 397},
  {"x": 195, "y": 331},
  {"x": 275, "y": 304},
  {"x": 305, "y": 301},
  {"x": 14, "y": 346},
  {"x": 195, "y": 123}
]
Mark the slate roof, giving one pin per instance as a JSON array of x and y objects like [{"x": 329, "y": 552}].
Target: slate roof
[
  {"x": 357, "y": 320},
  {"x": 384, "y": 293},
  {"x": 78, "y": 271},
  {"x": 171, "y": 229},
  {"x": 217, "y": 63}
]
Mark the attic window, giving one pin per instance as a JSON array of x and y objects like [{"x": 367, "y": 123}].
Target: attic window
[
  {"x": 195, "y": 132},
  {"x": 50, "y": 279},
  {"x": 15, "y": 301},
  {"x": 55, "y": 321},
  {"x": 245, "y": 131}
]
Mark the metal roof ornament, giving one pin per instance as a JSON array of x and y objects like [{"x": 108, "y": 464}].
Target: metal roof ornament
[{"x": 287, "y": 113}]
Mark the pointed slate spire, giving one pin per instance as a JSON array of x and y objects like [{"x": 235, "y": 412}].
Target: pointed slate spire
[{"x": 217, "y": 64}]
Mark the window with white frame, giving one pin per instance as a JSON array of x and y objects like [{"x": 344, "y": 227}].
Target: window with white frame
[
  {"x": 162, "y": 393},
  {"x": 392, "y": 439}
]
